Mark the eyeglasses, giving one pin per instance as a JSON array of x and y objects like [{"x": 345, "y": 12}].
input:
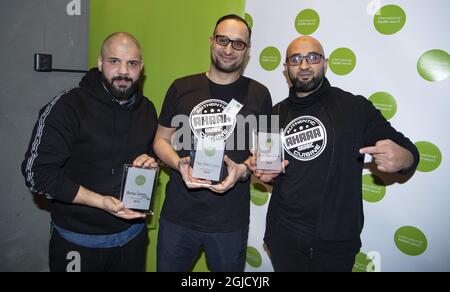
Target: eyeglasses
[
  {"x": 225, "y": 41},
  {"x": 311, "y": 59}
]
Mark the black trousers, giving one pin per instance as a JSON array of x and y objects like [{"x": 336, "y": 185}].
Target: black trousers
[
  {"x": 292, "y": 253},
  {"x": 68, "y": 257}
]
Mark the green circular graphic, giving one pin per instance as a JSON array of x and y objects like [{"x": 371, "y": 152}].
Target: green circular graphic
[
  {"x": 411, "y": 241},
  {"x": 210, "y": 151},
  {"x": 254, "y": 258},
  {"x": 307, "y": 22},
  {"x": 390, "y": 19},
  {"x": 430, "y": 156},
  {"x": 434, "y": 65},
  {"x": 270, "y": 58},
  {"x": 249, "y": 20},
  {"x": 374, "y": 189},
  {"x": 363, "y": 264},
  {"x": 140, "y": 180},
  {"x": 342, "y": 61},
  {"x": 259, "y": 194},
  {"x": 385, "y": 103}
]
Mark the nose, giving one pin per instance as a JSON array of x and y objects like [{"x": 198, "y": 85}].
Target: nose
[
  {"x": 228, "y": 49},
  {"x": 304, "y": 64},
  {"x": 123, "y": 69}
]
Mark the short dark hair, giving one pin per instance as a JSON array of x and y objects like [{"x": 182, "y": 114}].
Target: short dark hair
[{"x": 235, "y": 17}]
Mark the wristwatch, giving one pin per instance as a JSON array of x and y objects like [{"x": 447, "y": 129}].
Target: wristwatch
[{"x": 247, "y": 173}]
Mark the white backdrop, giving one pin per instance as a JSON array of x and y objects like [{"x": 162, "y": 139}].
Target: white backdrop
[{"x": 406, "y": 226}]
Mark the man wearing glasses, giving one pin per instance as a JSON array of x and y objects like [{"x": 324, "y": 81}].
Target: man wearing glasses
[
  {"x": 213, "y": 218},
  {"x": 315, "y": 214}
]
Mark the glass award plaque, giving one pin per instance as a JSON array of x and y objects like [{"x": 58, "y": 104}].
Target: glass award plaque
[
  {"x": 207, "y": 160},
  {"x": 138, "y": 186},
  {"x": 269, "y": 151}
]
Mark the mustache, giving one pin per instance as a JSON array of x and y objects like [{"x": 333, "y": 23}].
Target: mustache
[{"x": 120, "y": 78}]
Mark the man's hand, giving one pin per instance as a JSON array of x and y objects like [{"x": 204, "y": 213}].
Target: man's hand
[
  {"x": 185, "y": 169},
  {"x": 145, "y": 161},
  {"x": 235, "y": 172},
  {"x": 265, "y": 176},
  {"x": 389, "y": 156},
  {"x": 117, "y": 208}
]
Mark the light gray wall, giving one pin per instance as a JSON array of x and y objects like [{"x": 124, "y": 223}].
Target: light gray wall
[{"x": 26, "y": 27}]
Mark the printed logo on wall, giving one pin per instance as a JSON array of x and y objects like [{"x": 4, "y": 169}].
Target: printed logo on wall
[
  {"x": 364, "y": 264},
  {"x": 374, "y": 189},
  {"x": 342, "y": 61},
  {"x": 411, "y": 241},
  {"x": 390, "y": 19},
  {"x": 430, "y": 156},
  {"x": 386, "y": 103},
  {"x": 254, "y": 258},
  {"x": 305, "y": 138},
  {"x": 307, "y": 22},
  {"x": 249, "y": 20},
  {"x": 208, "y": 121},
  {"x": 434, "y": 65},
  {"x": 270, "y": 58},
  {"x": 259, "y": 194}
]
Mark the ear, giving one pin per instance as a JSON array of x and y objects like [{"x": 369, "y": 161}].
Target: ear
[
  {"x": 142, "y": 64},
  {"x": 99, "y": 64},
  {"x": 325, "y": 65}
]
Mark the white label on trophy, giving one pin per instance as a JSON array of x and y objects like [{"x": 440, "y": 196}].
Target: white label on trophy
[
  {"x": 269, "y": 155},
  {"x": 208, "y": 160},
  {"x": 137, "y": 190},
  {"x": 233, "y": 109}
]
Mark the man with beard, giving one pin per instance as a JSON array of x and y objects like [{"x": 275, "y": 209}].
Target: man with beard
[
  {"x": 315, "y": 215},
  {"x": 213, "y": 218},
  {"x": 76, "y": 156}
]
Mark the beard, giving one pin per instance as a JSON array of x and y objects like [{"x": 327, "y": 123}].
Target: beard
[
  {"x": 123, "y": 92},
  {"x": 230, "y": 68},
  {"x": 307, "y": 86}
]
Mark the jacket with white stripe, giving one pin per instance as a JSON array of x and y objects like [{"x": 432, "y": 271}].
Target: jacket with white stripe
[{"x": 83, "y": 137}]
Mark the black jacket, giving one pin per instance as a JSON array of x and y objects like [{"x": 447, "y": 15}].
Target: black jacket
[
  {"x": 355, "y": 123},
  {"x": 83, "y": 137}
]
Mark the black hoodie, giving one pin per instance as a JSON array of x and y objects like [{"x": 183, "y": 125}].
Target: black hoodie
[
  {"x": 84, "y": 137},
  {"x": 352, "y": 123}
]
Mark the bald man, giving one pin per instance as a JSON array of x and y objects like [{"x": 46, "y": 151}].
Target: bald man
[
  {"x": 76, "y": 156},
  {"x": 315, "y": 215}
]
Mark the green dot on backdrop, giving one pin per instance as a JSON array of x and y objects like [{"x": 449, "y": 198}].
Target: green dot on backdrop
[
  {"x": 390, "y": 19},
  {"x": 386, "y": 103},
  {"x": 434, "y": 65},
  {"x": 307, "y": 22},
  {"x": 270, "y": 58},
  {"x": 342, "y": 61}
]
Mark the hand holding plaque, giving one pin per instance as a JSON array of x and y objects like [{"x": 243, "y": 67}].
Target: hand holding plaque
[{"x": 138, "y": 186}]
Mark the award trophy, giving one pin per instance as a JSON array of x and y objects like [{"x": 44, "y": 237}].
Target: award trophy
[
  {"x": 207, "y": 160},
  {"x": 138, "y": 185},
  {"x": 269, "y": 151}
]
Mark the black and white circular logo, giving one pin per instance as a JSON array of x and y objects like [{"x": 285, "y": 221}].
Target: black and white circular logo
[
  {"x": 305, "y": 138},
  {"x": 208, "y": 121}
]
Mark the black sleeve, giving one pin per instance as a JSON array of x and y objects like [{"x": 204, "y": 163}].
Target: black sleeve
[
  {"x": 154, "y": 123},
  {"x": 48, "y": 151},
  {"x": 266, "y": 110},
  {"x": 168, "y": 110},
  {"x": 378, "y": 128}
]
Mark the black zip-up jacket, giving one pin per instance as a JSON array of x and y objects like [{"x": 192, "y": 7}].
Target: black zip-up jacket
[
  {"x": 356, "y": 124},
  {"x": 83, "y": 137}
]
